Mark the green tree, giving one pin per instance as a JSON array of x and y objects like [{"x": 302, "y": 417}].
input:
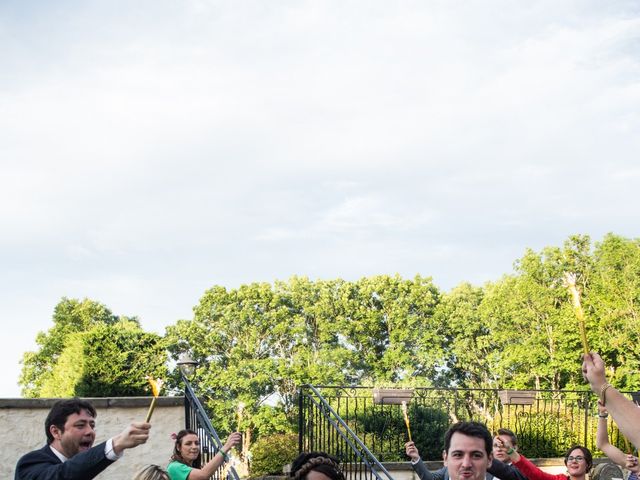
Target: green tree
[
  {"x": 233, "y": 336},
  {"x": 470, "y": 351},
  {"x": 388, "y": 322},
  {"x": 69, "y": 316},
  {"x": 107, "y": 361},
  {"x": 531, "y": 318},
  {"x": 614, "y": 300}
]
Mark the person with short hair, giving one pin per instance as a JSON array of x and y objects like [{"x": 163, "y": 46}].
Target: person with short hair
[
  {"x": 504, "y": 440},
  {"x": 152, "y": 472},
  {"x": 467, "y": 454},
  {"x": 186, "y": 459},
  {"x": 501, "y": 467},
  {"x": 69, "y": 453},
  {"x": 498, "y": 469},
  {"x": 316, "y": 466}
]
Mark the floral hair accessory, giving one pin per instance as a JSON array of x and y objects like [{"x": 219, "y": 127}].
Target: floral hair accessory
[{"x": 173, "y": 436}]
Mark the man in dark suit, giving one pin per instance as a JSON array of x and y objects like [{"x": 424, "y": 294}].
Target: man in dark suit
[
  {"x": 500, "y": 469},
  {"x": 69, "y": 453}
]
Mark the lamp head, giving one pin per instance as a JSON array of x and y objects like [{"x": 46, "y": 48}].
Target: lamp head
[{"x": 187, "y": 365}]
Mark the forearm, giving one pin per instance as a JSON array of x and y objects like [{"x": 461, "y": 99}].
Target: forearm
[
  {"x": 602, "y": 442},
  {"x": 209, "y": 468},
  {"x": 424, "y": 473},
  {"x": 532, "y": 472},
  {"x": 625, "y": 413},
  {"x": 602, "y": 436}
]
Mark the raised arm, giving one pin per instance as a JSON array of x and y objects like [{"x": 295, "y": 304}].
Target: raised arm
[
  {"x": 529, "y": 470},
  {"x": 625, "y": 413},
  {"x": 616, "y": 455},
  {"x": 212, "y": 465},
  {"x": 419, "y": 467}
]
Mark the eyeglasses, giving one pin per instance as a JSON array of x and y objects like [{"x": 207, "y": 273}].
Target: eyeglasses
[{"x": 577, "y": 458}]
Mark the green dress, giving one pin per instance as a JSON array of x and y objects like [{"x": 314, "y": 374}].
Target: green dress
[{"x": 178, "y": 470}]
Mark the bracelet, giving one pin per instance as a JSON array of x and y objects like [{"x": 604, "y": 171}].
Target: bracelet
[
  {"x": 224, "y": 455},
  {"x": 603, "y": 415},
  {"x": 511, "y": 450},
  {"x": 603, "y": 393}
]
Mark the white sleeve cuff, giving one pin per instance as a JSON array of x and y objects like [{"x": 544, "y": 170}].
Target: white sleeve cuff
[{"x": 108, "y": 451}]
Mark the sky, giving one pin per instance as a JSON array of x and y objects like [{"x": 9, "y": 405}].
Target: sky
[{"x": 150, "y": 150}]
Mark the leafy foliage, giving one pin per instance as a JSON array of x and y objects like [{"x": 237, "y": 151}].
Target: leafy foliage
[
  {"x": 90, "y": 352},
  {"x": 271, "y": 453}
]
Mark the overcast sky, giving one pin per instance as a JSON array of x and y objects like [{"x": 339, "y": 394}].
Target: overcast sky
[{"x": 152, "y": 149}]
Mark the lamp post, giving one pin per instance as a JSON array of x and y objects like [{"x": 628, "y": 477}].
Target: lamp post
[{"x": 187, "y": 366}]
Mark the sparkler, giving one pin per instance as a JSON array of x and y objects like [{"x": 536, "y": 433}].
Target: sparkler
[
  {"x": 156, "y": 385},
  {"x": 570, "y": 283},
  {"x": 406, "y": 419}
]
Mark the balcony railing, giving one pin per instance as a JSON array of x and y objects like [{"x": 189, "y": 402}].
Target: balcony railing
[{"x": 547, "y": 422}]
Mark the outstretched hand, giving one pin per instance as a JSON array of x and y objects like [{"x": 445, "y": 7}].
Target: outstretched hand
[
  {"x": 412, "y": 451},
  {"x": 135, "y": 434},
  {"x": 234, "y": 439},
  {"x": 632, "y": 464}
]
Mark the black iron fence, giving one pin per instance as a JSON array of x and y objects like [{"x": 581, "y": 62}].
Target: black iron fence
[
  {"x": 547, "y": 422},
  {"x": 329, "y": 433},
  {"x": 197, "y": 420}
]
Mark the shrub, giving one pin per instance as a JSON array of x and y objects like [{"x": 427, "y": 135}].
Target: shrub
[{"x": 271, "y": 453}]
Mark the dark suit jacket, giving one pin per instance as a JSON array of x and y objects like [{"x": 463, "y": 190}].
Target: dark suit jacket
[
  {"x": 505, "y": 471},
  {"x": 44, "y": 465}
]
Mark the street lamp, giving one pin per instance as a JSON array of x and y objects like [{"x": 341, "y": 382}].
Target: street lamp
[{"x": 187, "y": 365}]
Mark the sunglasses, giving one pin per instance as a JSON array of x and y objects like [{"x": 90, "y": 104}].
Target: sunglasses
[{"x": 577, "y": 458}]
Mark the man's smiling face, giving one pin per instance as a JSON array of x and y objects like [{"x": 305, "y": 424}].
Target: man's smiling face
[
  {"x": 467, "y": 458},
  {"x": 77, "y": 436}
]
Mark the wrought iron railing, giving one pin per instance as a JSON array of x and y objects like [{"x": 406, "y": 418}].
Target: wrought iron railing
[
  {"x": 322, "y": 429},
  {"x": 197, "y": 420},
  {"x": 547, "y": 422}
]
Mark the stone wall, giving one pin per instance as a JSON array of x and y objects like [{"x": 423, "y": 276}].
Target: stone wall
[{"x": 22, "y": 430}]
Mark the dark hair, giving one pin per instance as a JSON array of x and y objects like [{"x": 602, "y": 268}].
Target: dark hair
[
  {"x": 585, "y": 451},
  {"x": 510, "y": 434},
  {"x": 317, "y": 462},
  {"x": 471, "y": 429},
  {"x": 152, "y": 472},
  {"x": 176, "y": 456},
  {"x": 61, "y": 410}
]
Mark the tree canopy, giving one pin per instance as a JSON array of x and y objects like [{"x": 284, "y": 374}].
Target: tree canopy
[
  {"x": 91, "y": 352},
  {"x": 258, "y": 342}
]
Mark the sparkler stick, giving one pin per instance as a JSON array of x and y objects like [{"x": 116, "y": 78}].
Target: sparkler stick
[
  {"x": 627, "y": 447},
  {"x": 406, "y": 419},
  {"x": 156, "y": 385},
  {"x": 570, "y": 283},
  {"x": 239, "y": 413}
]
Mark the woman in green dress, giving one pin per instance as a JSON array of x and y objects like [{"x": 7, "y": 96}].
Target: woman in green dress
[{"x": 186, "y": 459}]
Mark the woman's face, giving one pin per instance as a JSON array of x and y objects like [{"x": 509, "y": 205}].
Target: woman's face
[
  {"x": 313, "y": 475},
  {"x": 576, "y": 463},
  {"x": 190, "y": 447}
]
